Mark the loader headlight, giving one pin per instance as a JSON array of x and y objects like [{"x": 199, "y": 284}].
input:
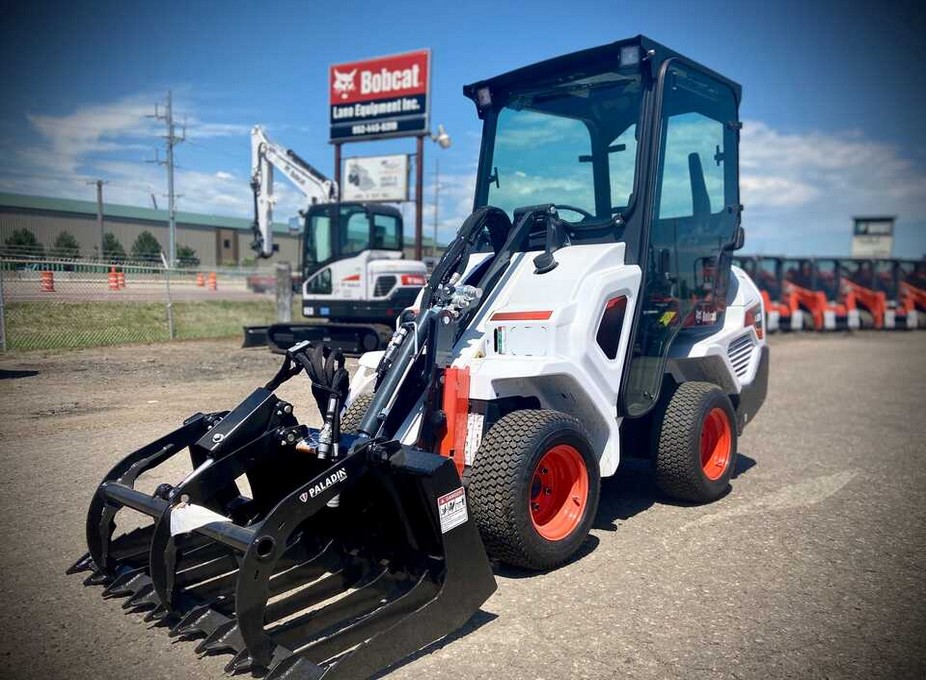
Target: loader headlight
[
  {"x": 630, "y": 55},
  {"x": 484, "y": 97}
]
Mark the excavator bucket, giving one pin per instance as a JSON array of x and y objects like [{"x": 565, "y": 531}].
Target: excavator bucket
[{"x": 339, "y": 558}]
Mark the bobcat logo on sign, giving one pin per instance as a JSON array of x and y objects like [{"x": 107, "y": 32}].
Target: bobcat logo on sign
[{"x": 344, "y": 82}]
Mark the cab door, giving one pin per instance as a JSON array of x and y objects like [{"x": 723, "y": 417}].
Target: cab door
[{"x": 694, "y": 216}]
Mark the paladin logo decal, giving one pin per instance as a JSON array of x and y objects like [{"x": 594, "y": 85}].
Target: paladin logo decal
[
  {"x": 343, "y": 82},
  {"x": 333, "y": 478}
]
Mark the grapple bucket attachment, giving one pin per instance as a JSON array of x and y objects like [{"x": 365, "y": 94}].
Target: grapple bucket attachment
[{"x": 331, "y": 566}]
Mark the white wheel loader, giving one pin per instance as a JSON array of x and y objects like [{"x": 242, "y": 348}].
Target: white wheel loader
[{"x": 541, "y": 352}]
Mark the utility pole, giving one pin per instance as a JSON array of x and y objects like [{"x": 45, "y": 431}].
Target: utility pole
[
  {"x": 170, "y": 141},
  {"x": 436, "y": 204},
  {"x": 99, "y": 210}
]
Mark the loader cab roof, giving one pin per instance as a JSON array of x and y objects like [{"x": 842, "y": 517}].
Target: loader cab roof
[{"x": 637, "y": 53}]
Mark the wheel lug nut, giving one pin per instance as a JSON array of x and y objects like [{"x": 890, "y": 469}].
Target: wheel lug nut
[
  {"x": 544, "y": 471},
  {"x": 548, "y": 491},
  {"x": 535, "y": 506}
]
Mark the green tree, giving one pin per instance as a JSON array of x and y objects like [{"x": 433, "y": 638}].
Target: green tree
[
  {"x": 186, "y": 257},
  {"x": 112, "y": 249},
  {"x": 23, "y": 243},
  {"x": 146, "y": 247},
  {"x": 66, "y": 247}
]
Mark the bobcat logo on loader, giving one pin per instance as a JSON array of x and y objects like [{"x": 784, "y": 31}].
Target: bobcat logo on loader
[
  {"x": 333, "y": 478},
  {"x": 344, "y": 83}
]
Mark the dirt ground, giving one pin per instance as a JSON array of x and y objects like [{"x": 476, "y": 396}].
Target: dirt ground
[{"x": 813, "y": 567}]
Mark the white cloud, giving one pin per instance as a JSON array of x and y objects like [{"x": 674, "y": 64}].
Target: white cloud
[
  {"x": 801, "y": 190},
  {"x": 112, "y": 140}
]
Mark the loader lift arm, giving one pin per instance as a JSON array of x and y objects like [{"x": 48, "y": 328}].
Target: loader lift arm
[{"x": 265, "y": 155}]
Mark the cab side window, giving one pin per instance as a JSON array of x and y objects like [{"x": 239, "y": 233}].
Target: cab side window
[{"x": 695, "y": 215}]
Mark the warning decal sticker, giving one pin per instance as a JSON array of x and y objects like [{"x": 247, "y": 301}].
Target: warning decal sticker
[{"x": 451, "y": 508}]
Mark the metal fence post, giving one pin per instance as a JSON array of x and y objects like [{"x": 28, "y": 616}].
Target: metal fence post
[
  {"x": 2, "y": 313},
  {"x": 284, "y": 292},
  {"x": 170, "y": 304}
]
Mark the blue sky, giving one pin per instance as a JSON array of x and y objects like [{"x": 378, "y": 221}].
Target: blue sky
[{"x": 834, "y": 97}]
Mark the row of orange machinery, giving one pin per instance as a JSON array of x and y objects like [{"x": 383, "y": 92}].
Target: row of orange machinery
[{"x": 831, "y": 293}]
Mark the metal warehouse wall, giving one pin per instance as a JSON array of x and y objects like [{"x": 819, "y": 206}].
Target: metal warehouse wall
[{"x": 47, "y": 226}]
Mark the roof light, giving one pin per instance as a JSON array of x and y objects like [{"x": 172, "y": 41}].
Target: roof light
[
  {"x": 630, "y": 55},
  {"x": 483, "y": 97}
]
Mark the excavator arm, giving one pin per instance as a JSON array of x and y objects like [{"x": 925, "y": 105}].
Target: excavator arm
[{"x": 265, "y": 155}]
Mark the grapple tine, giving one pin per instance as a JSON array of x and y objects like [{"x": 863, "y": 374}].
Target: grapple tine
[
  {"x": 127, "y": 583},
  {"x": 296, "y": 668},
  {"x": 97, "y": 578},
  {"x": 240, "y": 663},
  {"x": 157, "y": 616},
  {"x": 225, "y": 638},
  {"x": 199, "y": 622},
  {"x": 144, "y": 599},
  {"x": 85, "y": 563}
]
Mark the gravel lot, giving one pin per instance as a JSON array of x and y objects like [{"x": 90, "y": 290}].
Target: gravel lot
[{"x": 813, "y": 567}]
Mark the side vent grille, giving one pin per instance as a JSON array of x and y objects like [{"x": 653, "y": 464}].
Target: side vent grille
[
  {"x": 740, "y": 353},
  {"x": 383, "y": 285}
]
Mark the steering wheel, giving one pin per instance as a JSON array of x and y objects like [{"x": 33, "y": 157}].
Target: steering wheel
[{"x": 586, "y": 215}]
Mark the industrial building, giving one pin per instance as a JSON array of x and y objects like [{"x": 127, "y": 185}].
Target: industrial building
[{"x": 217, "y": 240}]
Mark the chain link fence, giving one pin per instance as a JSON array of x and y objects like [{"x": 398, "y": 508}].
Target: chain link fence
[{"x": 56, "y": 303}]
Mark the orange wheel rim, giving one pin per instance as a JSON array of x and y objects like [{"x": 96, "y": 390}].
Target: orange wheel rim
[
  {"x": 559, "y": 492},
  {"x": 716, "y": 443}
]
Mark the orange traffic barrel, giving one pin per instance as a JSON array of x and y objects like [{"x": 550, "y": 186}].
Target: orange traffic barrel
[
  {"x": 48, "y": 282},
  {"x": 200, "y": 279},
  {"x": 113, "y": 279},
  {"x": 213, "y": 281},
  {"x": 120, "y": 278}
]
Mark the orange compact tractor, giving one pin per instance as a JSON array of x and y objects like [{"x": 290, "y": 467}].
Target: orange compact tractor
[
  {"x": 799, "y": 295},
  {"x": 904, "y": 284},
  {"x": 768, "y": 274},
  {"x": 859, "y": 282}
]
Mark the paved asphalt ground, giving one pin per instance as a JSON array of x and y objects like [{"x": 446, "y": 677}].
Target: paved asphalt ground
[{"x": 812, "y": 567}]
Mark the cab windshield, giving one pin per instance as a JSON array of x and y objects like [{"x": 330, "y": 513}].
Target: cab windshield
[{"x": 573, "y": 144}]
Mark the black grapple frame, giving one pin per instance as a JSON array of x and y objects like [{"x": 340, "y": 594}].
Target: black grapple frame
[{"x": 349, "y": 553}]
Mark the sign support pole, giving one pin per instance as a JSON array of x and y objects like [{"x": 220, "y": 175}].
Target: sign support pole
[
  {"x": 337, "y": 168},
  {"x": 419, "y": 194}
]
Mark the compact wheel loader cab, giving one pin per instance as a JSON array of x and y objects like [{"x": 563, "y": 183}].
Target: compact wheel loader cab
[{"x": 586, "y": 311}]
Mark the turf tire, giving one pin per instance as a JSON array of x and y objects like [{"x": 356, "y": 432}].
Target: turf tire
[
  {"x": 500, "y": 487},
  {"x": 350, "y": 421},
  {"x": 679, "y": 470}
]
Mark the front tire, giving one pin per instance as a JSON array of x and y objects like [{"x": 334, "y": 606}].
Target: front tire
[
  {"x": 534, "y": 488},
  {"x": 696, "y": 443},
  {"x": 353, "y": 416}
]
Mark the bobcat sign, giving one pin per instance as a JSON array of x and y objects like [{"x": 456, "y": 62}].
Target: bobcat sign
[{"x": 382, "y": 97}]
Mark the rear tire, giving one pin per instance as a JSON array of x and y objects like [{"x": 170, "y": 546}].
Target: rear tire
[
  {"x": 696, "y": 443},
  {"x": 352, "y": 417},
  {"x": 534, "y": 488}
]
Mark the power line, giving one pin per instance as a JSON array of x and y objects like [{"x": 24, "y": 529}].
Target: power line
[{"x": 170, "y": 141}]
